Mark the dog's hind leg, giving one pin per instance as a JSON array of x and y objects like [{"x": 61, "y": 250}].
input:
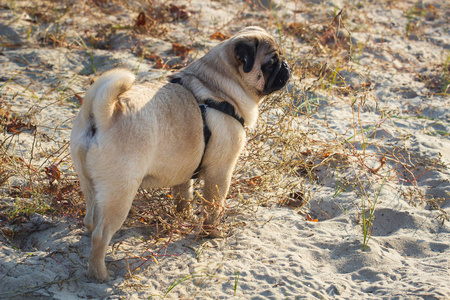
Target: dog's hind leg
[
  {"x": 79, "y": 153},
  {"x": 183, "y": 195},
  {"x": 83, "y": 137},
  {"x": 87, "y": 188},
  {"x": 113, "y": 202}
]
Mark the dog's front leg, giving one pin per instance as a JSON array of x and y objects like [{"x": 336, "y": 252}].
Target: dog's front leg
[
  {"x": 215, "y": 191},
  {"x": 183, "y": 195}
]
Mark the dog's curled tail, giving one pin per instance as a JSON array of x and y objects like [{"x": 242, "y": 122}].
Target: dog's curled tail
[{"x": 101, "y": 98}]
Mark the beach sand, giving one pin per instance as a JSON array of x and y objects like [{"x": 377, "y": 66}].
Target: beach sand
[{"x": 359, "y": 136}]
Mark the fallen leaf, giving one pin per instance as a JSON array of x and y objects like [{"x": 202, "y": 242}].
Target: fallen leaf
[
  {"x": 140, "y": 21},
  {"x": 325, "y": 155},
  {"x": 21, "y": 191},
  {"x": 52, "y": 189},
  {"x": 52, "y": 173},
  {"x": 360, "y": 87},
  {"x": 12, "y": 122},
  {"x": 249, "y": 181},
  {"x": 8, "y": 232},
  {"x": 4, "y": 114},
  {"x": 295, "y": 199},
  {"x": 310, "y": 219},
  {"x": 179, "y": 12},
  {"x": 382, "y": 162},
  {"x": 152, "y": 57},
  {"x": 17, "y": 127},
  {"x": 180, "y": 50},
  {"x": 219, "y": 36},
  {"x": 295, "y": 28},
  {"x": 160, "y": 64},
  {"x": 255, "y": 181},
  {"x": 328, "y": 38},
  {"x": 307, "y": 152},
  {"x": 67, "y": 188},
  {"x": 80, "y": 99}
]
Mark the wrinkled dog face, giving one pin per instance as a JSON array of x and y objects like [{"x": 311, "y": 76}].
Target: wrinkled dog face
[{"x": 263, "y": 67}]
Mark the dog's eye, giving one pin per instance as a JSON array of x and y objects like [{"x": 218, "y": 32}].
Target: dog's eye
[
  {"x": 274, "y": 61},
  {"x": 270, "y": 65}
]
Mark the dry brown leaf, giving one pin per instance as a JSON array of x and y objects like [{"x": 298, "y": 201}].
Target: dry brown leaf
[
  {"x": 152, "y": 57},
  {"x": 180, "y": 50},
  {"x": 219, "y": 36},
  {"x": 17, "y": 127},
  {"x": 140, "y": 21},
  {"x": 80, "y": 99},
  {"x": 295, "y": 199},
  {"x": 53, "y": 173},
  {"x": 310, "y": 219},
  {"x": 179, "y": 12},
  {"x": 160, "y": 64}
]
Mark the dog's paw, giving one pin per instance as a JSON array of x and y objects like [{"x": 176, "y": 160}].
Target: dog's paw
[
  {"x": 184, "y": 212},
  {"x": 100, "y": 276},
  {"x": 212, "y": 232}
]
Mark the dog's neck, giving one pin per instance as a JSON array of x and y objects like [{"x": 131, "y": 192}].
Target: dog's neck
[
  {"x": 222, "y": 106},
  {"x": 220, "y": 87}
]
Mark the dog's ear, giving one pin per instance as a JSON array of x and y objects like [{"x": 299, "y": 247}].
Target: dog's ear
[{"x": 245, "y": 52}]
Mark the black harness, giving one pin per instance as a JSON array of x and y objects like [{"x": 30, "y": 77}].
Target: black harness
[{"x": 223, "y": 106}]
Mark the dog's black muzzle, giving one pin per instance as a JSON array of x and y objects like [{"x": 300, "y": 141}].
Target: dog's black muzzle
[{"x": 278, "y": 78}]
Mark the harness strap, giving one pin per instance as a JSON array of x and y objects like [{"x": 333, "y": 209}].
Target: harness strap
[
  {"x": 206, "y": 136},
  {"x": 223, "y": 106},
  {"x": 226, "y": 108}
]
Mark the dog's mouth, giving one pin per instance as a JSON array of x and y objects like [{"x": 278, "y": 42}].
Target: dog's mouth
[{"x": 278, "y": 78}]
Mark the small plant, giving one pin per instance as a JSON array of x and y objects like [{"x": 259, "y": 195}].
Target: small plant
[
  {"x": 409, "y": 23},
  {"x": 180, "y": 281},
  {"x": 446, "y": 75},
  {"x": 91, "y": 55},
  {"x": 334, "y": 75},
  {"x": 367, "y": 222},
  {"x": 236, "y": 279}
]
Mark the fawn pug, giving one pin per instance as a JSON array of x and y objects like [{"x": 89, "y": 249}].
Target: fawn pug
[{"x": 128, "y": 136}]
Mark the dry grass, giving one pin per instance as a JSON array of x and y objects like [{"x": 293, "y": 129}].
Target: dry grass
[{"x": 292, "y": 153}]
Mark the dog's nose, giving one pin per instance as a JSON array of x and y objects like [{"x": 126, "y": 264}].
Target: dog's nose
[{"x": 286, "y": 66}]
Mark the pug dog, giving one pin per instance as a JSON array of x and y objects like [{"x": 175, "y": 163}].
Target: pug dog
[{"x": 129, "y": 135}]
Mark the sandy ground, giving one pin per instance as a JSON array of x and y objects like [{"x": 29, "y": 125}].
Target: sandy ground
[{"x": 384, "y": 71}]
